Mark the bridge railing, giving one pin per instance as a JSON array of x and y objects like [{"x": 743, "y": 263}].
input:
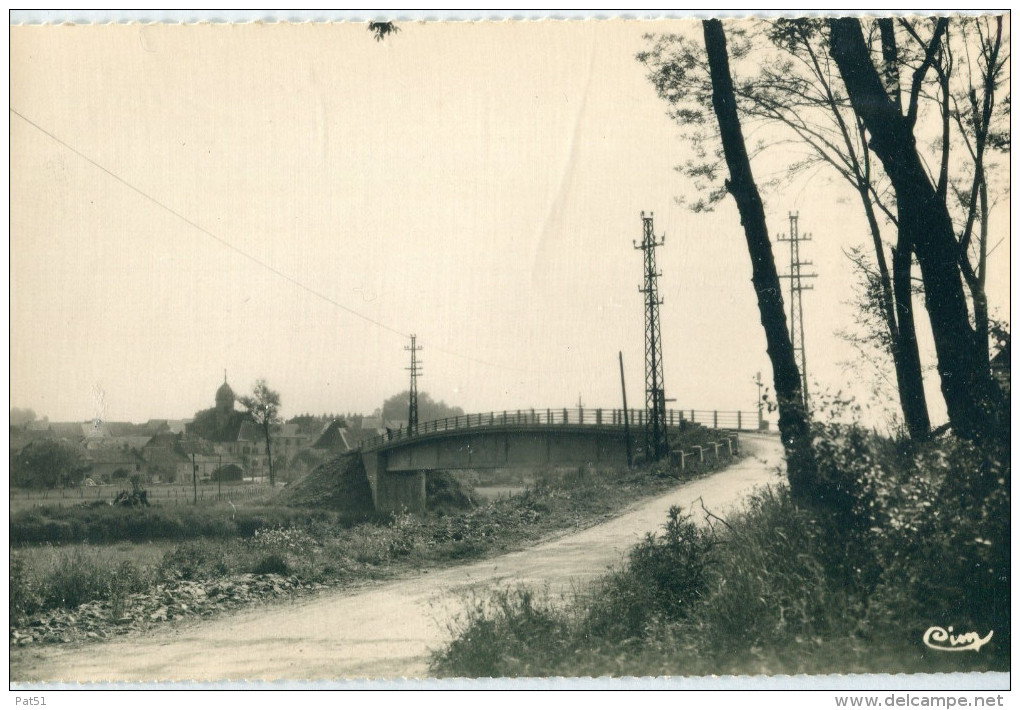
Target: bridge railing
[{"x": 567, "y": 416}]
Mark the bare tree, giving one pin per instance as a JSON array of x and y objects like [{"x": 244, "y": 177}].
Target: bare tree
[
  {"x": 263, "y": 408},
  {"x": 975, "y": 406},
  {"x": 793, "y": 88},
  {"x": 793, "y": 419}
]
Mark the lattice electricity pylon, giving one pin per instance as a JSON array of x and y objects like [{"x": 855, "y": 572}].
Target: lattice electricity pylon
[
  {"x": 412, "y": 403},
  {"x": 656, "y": 444},
  {"x": 797, "y": 286}
]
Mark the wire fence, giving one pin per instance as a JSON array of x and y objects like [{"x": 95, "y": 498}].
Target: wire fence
[{"x": 156, "y": 495}]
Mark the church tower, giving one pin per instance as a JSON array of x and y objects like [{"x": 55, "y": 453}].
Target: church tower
[{"x": 224, "y": 404}]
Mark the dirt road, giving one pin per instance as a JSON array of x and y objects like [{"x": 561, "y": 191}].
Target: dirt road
[{"x": 386, "y": 630}]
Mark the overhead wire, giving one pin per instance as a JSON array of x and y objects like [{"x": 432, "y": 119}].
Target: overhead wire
[{"x": 254, "y": 259}]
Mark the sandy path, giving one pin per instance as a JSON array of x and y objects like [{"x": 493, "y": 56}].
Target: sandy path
[{"x": 385, "y": 630}]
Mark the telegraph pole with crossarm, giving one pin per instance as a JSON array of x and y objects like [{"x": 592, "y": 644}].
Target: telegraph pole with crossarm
[
  {"x": 797, "y": 286},
  {"x": 656, "y": 444},
  {"x": 415, "y": 370}
]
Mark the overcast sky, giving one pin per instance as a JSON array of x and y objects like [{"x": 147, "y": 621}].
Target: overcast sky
[{"x": 324, "y": 194}]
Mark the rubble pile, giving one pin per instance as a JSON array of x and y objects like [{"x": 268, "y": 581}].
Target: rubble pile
[{"x": 340, "y": 484}]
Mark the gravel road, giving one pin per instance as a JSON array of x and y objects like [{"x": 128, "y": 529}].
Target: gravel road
[{"x": 384, "y": 630}]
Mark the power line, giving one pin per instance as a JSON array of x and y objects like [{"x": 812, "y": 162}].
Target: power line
[
  {"x": 203, "y": 230},
  {"x": 256, "y": 260}
]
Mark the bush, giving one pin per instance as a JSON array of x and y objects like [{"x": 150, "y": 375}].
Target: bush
[
  {"x": 512, "y": 634},
  {"x": 664, "y": 578},
  {"x": 445, "y": 493},
  {"x": 272, "y": 563},
  {"x": 193, "y": 561},
  {"x": 24, "y": 588}
]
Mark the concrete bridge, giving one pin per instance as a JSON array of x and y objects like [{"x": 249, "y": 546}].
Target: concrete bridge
[{"x": 396, "y": 462}]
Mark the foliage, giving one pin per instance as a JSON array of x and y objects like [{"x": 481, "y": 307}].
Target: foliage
[
  {"x": 74, "y": 576},
  {"x": 263, "y": 408},
  {"x": 665, "y": 577},
  {"x": 381, "y": 29},
  {"x": 395, "y": 408},
  {"x": 46, "y": 464},
  {"x": 20, "y": 417},
  {"x": 446, "y": 492},
  {"x": 920, "y": 538},
  {"x": 106, "y": 523}
]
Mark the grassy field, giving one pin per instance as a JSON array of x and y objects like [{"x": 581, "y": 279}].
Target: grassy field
[{"x": 155, "y": 547}]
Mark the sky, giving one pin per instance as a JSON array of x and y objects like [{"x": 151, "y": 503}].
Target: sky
[{"x": 291, "y": 201}]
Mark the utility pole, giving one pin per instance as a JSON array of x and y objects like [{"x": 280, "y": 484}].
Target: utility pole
[
  {"x": 656, "y": 445},
  {"x": 626, "y": 415},
  {"x": 796, "y": 306},
  {"x": 412, "y": 404},
  {"x": 194, "y": 476}
]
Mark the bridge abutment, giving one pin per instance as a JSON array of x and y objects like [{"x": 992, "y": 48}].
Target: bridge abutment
[{"x": 394, "y": 491}]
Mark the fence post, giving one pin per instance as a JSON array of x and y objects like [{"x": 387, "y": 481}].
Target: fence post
[
  {"x": 701, "y": 454},
  {"x": 564, "y": 416},
  {"x": 598, "y": 416},
  {"x": 739, "y": 425},
  {"x": 729, "y": 445},
  {"x": 715, "y": 419},
  {"x": 683, "y": 461}
]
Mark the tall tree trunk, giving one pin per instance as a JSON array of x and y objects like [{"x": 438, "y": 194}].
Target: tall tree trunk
[
  {"x": 906, "y": 357},
  {"x": 978, "y": 291},
  {"x": 898, "y": 311},
  {"x": 269, "y": 458},
  {"x": 793, "y": 420},
  {"x": 974, "y": 404}
]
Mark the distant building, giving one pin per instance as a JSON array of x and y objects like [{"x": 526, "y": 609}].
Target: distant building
[
  {"x": 110, "y": 465},
  {"x": 163, "y": 455},
  {"x": 334, "y": 438}
]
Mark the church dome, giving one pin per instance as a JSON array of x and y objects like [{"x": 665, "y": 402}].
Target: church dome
[{"x": 224, "y": 397}]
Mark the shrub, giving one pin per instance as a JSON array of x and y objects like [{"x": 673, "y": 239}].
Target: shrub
[
  {"x": 24, "y": 588},
  {"x": 74, "y": 580},
  {"x": 664, "y": 578},
  {"x": 445, "y": 493},
  {"x": 272, "y": 563},
  {"x": 195, "y": 560},
  {"x": 512, "y": 634}
]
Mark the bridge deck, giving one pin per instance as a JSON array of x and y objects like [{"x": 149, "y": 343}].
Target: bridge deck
[{"x": 588, "y": 420}]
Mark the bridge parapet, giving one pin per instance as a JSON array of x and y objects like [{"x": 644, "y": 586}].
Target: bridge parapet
[{"x": 565, "y": 417}]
